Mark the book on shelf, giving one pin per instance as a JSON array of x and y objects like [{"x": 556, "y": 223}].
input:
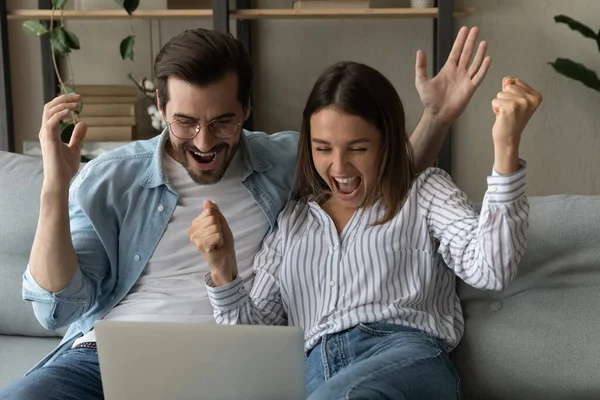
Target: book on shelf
[
  {"x": 109, "y": 133},
  {"x": 106, "y": 90},
  {"x": 108, "y": 100},
  {"x": 108, "y": 121},
  {"x": 330, "y": 4},
  {"x": 108, "y": 110}
]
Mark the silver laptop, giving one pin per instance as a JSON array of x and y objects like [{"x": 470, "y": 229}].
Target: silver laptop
[{"x": 149, "y": 360}]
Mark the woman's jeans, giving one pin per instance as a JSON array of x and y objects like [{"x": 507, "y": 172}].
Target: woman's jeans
[{"x": 381, "y": 361}]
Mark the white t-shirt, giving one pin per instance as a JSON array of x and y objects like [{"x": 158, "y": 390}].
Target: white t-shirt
[{"x": 171, "y": 288}]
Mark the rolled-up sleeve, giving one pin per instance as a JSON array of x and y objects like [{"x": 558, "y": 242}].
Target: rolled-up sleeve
[{"x": 54, "y": 310}]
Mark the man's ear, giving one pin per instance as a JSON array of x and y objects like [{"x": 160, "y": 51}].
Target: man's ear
[
  {"x": 248, "y": 111},
  {"x": 159, "y": 106}
]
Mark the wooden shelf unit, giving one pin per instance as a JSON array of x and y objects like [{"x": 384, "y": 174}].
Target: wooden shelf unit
[
  {"x": 248, "y": 14},
  {"x": 441, "y": 16}
]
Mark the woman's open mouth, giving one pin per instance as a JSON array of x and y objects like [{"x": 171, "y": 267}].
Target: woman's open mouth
[{"x": 347, "y": 187}]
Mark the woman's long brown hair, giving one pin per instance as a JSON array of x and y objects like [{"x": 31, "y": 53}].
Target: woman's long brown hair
[{"x": 360, "y": 90}]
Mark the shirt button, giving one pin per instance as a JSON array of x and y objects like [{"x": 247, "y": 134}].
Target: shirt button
[
  {"x": 161, "y": 208},
  {"x": 495, "y": 305},
  {"x": 137, "y": 257},
  {"x": 493, "y": 188},
  {"x": 334, "y": 248},
  {"x": 331, "y": 283}
]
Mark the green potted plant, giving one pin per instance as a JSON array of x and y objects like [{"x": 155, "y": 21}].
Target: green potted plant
[
  {"x": 63, "y": 41},
  {"x": 572, "y": 69}
]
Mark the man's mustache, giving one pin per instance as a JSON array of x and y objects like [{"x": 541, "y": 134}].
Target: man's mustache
[{"x": 221, "y": 146}]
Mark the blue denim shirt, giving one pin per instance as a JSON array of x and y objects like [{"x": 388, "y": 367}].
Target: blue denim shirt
[{"x": 119, "y": 207}]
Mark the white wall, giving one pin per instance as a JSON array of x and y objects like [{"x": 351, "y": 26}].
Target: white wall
[{"x": 561, "y": 145}]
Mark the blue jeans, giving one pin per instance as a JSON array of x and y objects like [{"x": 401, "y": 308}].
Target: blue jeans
[
  {"x": 381, "y": 361},
  {"x": 74, "y": 375}
]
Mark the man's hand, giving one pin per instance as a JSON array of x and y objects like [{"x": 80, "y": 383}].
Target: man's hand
[
  {"x": 514, "y": 107},
  {"x": 61, "y": 161},
  {"x": 211, "y": 235},
  {"x": 447, "y": 94}
]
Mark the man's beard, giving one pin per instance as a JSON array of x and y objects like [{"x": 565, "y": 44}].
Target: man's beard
[{"x": 223, "y": 150}]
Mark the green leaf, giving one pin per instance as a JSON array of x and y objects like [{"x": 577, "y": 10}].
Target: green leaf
[
  {"x": 61, "y": 35},
  {"x": 34, "y": 28},
  {"x": 59, "y": 49},
  {"x": 66, "y": 131},
  {"x": 577, "y": 71},
  {"x": 59, "y": 41},
  {"x": 127, "y": 47},
  {"x": 59, "y": 4},
  {"x": 72, "y": 39},
  {"x": 576, "y": 26},
  {"x": 129, "y": 5}
]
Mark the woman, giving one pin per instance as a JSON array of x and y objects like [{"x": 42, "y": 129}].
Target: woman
[{"x": 365, "y": 259}]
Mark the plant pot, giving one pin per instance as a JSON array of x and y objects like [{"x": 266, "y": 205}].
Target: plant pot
[
  {"x": 422, "y": 3},
  {"x": 112, "y": 5}
]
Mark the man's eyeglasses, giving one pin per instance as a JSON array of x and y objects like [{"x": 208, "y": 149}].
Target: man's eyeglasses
[{"x": 222, "y": 128}]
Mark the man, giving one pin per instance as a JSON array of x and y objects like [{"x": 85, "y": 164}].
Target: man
[{"x": 113, "y": 244}]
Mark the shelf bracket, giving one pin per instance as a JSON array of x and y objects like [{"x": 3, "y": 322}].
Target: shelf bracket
[
  {"x": 7, "y": 133},
  {"x": 221, "y": 15},
  {"x": 244, "y": 35}
]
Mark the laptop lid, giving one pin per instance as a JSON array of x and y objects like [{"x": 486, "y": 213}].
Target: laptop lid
[{"x": 153, "y": 360}]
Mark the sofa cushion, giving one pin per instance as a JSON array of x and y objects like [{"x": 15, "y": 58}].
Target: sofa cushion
[
  {"x": 20, "y": 184},
  {"x": 18, "y": 354},
  {"x": 538, "y": 339}
]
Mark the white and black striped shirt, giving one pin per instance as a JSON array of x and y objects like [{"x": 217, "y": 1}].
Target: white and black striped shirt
[{"x": 401, "y": 272}]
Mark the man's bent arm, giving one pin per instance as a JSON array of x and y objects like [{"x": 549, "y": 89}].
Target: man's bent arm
[
  {"x": 426, "y": 140},
  {"x": 53, "y": 260}
]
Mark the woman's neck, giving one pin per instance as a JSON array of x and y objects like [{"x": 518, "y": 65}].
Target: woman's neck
[{"x": 339, "y": 213}]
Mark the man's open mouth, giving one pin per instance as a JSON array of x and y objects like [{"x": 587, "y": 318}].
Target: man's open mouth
[{"x": 204, "y": 158}]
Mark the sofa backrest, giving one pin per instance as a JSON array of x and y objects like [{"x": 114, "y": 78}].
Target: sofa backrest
[
  {"x": 20, "y": 185},
  {"x": 539, "y": 339}
]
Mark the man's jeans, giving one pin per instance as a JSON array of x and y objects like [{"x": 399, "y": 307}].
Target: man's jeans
[
  {"x": 381, "y": 361},
  {"x": 75, "y": 375}
]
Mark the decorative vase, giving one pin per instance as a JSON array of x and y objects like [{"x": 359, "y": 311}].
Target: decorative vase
[{"x": 422, "y": 3}]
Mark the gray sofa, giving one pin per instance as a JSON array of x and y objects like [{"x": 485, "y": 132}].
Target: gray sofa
[
  {"x": 536, "y": 340},
  {"x": 23, "y": 341}
]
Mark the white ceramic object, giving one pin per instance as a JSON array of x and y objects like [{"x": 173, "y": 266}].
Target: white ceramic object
[{"x": 422, "y": 3}]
